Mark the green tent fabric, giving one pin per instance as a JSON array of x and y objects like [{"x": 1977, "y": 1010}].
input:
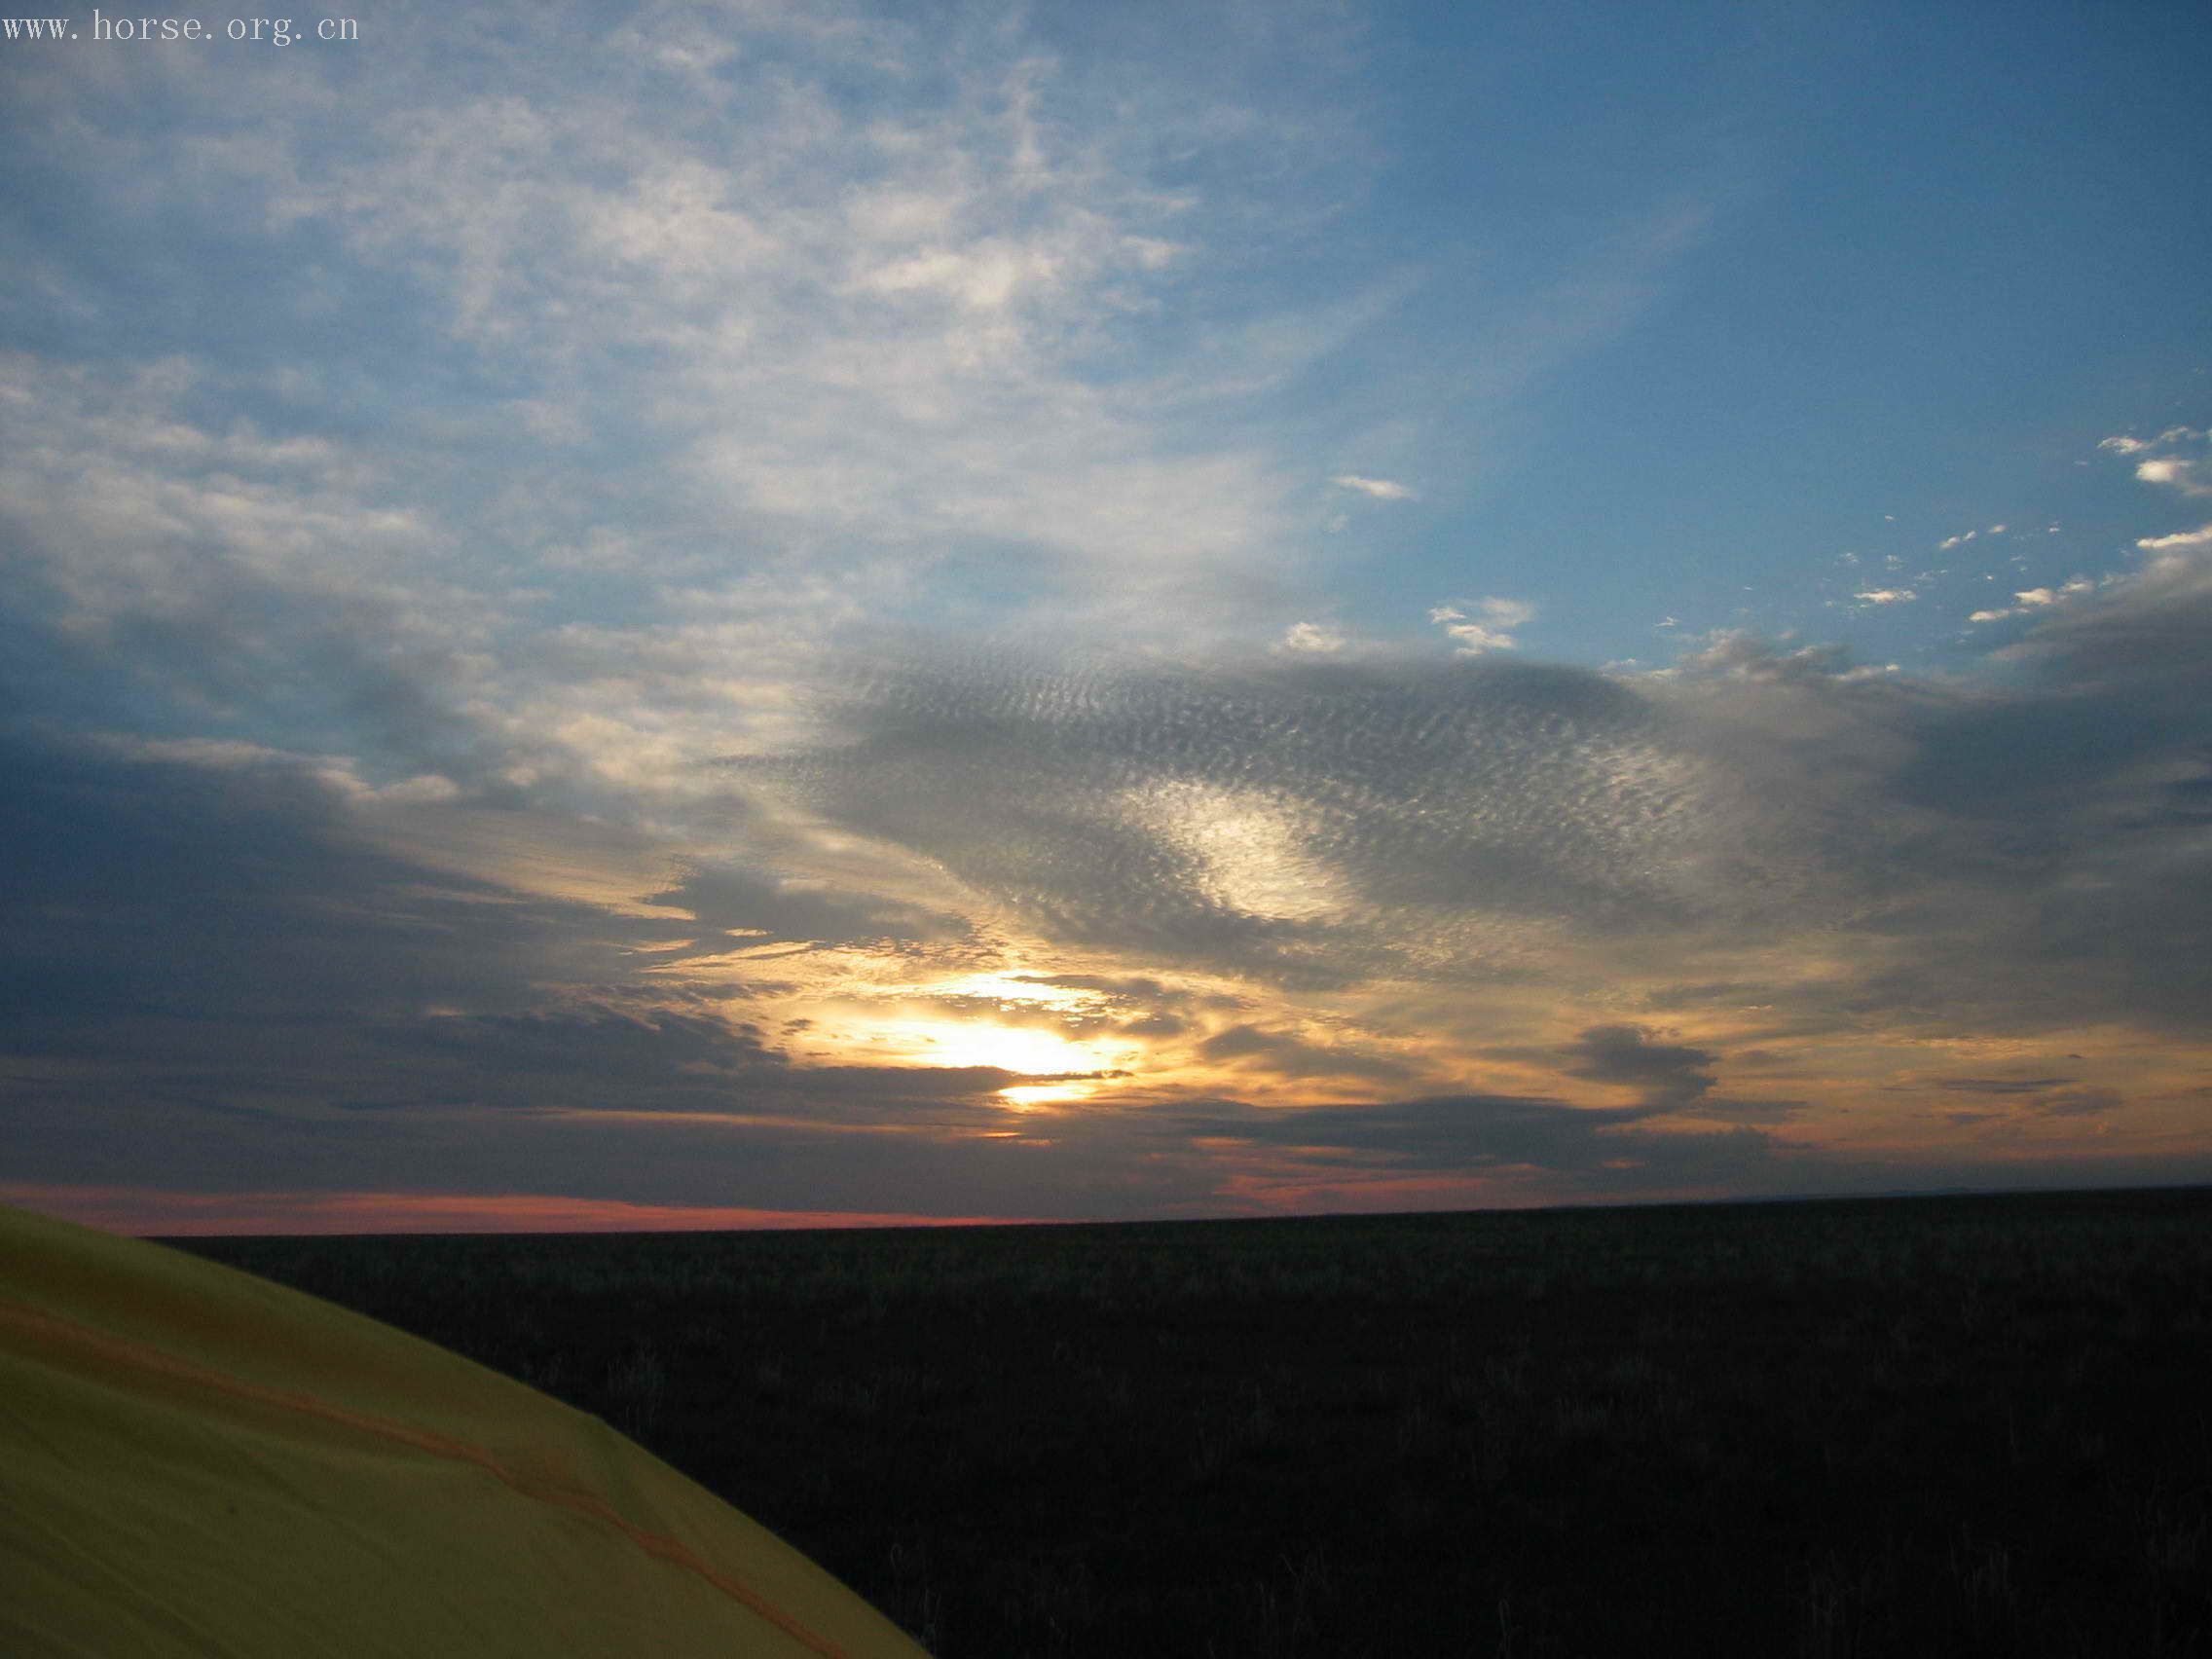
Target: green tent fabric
[{"x": 194, "y": 1461}]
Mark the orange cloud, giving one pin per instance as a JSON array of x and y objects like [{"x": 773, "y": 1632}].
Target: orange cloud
[{"x": 149, "y": 1210}]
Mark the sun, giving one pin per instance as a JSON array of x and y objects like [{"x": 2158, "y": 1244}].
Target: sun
[
  {"x": 1010, "y": 1047},
  {"x": 961, "y": 1044},
  {"x": 1016, "y": 1049},
  {"x": 1025, "y": 1095}
]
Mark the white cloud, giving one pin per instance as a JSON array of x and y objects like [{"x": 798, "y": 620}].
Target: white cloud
[
  {"x": 2170, "y": 436},
  {"x": 2038, "y": 599},
  {"x": 2176, "y": 472},
  {"x": 1380, "y": 489},
  {"x": 874, "y": 290},
  {"x": 1246, "y": 848},
  {"x": 1312, "y": 639},
  {"x": 2199, "y": 538},
  {"x": 2168, "y": 458},
  {"x": 1473, "y": 639},
  {"x": 1508, "y": 612},
  {"x": 1489, "y": 626},
  {"x": 1888, "y": 596},
  {"x": 989, "y": 275}
]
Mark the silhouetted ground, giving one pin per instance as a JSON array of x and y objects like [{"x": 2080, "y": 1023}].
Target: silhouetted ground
[{"x": 1958, "y": 1425}]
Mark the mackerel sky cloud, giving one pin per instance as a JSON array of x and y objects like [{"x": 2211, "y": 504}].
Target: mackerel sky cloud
[{"x": 824, "y": 613}]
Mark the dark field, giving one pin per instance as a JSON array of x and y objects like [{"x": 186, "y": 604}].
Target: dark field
[{"x": 1913, "y": 1426}]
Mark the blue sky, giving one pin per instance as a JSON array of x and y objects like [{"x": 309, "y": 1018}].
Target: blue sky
[{"x": 776, "y": 573}]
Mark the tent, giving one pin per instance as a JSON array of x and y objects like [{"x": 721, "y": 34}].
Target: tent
[{"x": 195, "y": 1461}]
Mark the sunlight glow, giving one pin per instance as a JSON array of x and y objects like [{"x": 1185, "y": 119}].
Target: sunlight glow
[
  {"x": 1028, "y": 1095},
  {"x": 960, "y": 1042}
]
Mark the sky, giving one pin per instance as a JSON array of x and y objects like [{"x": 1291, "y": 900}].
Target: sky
[{"x": 634, "y": 616}]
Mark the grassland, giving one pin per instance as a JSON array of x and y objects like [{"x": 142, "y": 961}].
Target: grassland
[{"x": 1960, "y": 1425}]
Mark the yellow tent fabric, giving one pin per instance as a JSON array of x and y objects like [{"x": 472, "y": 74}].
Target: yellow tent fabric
[{"x": 194, "y": 1461}]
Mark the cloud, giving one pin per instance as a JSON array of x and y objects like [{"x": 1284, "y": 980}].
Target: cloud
[
  {"x": 2145, "y": 628},
  {"x": 1293, "y": 872},
  {"x": 2183, "y": 474},
  {"x": 1488, "y": 629},
  {"x": 1330, "y": 820},
  {"x": 2179, "y": 459},
  {"x": 1473, "y": 638},
  {"x": 1669, "y": 1076},
  {"x": 1499, "y": 1137},
  {"x": 1888, "y": 596},
  {"x": 1287, "y": 1055},
  {"x": 2047, "y": 1096},
  {"x": 649, "y": 585},
  {"x": 1312, "y": 638},
  {"x": 1507, "y": 612},
  {"x": 2032, "y": 599},
  {"x": 2080, "y": 1103},
  {"x": 170, "y": 1214},
  {"x": 1302, "y": 818},
  {"x": 2178, "y": 541},
  {"x": 865, "y": 295},
  {"x": 1375, "y": 489},
  {"x": 351, "y": 1018}
]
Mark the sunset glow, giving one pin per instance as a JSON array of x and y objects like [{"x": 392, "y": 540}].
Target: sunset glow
[
  {"x": 816, "y": 614},
  {"x": 958, "y": 1043}
]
